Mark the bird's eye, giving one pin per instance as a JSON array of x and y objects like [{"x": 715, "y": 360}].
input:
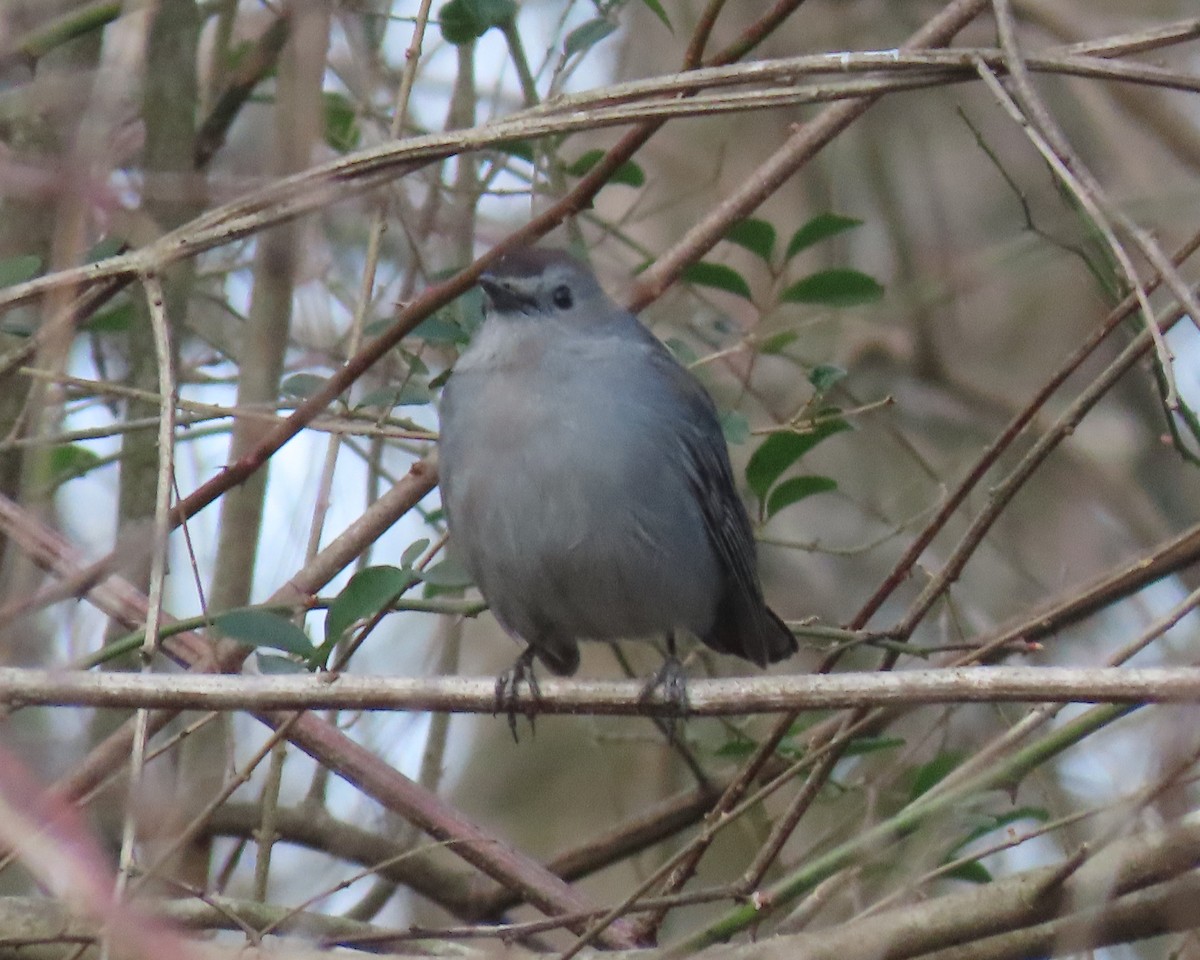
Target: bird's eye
[{"x": 562, "y": 297}]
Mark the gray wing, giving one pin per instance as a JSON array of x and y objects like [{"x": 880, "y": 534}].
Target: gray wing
[{"x": 743, "y": 625}]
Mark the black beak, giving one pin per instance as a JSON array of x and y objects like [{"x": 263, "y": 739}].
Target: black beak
[{"x": 502, "y": 295}]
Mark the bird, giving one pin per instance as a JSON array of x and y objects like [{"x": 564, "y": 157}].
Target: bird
[{"x": 587, "y": 486}]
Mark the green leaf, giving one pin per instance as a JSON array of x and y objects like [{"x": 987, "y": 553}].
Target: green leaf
[
  {"x": 70, "y": 461},
  {"x": 587, "y": 35},
  {"x": 410, "y": 394},
  {"x": 657, "y": 9},
  {"x": 825, "y": 377},
  {"x": 18, "y": 269},
  {"x": 465, "y": 20},
  {"x": 933, "y": 772},
  {"x": 342, "y": 131},
  {"x": 302, "y": 385},
  {"x": 780, "y": 450},
  {"x": 110, "y": 246},
  {"x": 819, "y": 228},
  {"x": 681, "y": 350},
  {"x": 735, "y": 427},
  {"x": 413, "y": 551},
  {"x": 796, "y": 489},
  {"x": 757, "y": 236},
  {"x": 368, "y": 592},
  {"x": 834, "y": 288},
  {"x": 447, "y": 575},
  {"x": 261, "y": 628},
  {"x": 718, "y": 276},
  {"x": 628, "y": 173},
  {"x": 523, "y": 149},
  {"x": 972, "y": 872},
  {"x": 269, "y": 664},
  {"x": 779, "y": 342},
  {"x": 736, "y": 749},
  {"x": 863, "y": 745},
  {"x": 115, "y": 319}
]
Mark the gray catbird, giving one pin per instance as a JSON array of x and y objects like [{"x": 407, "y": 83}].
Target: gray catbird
[{"x": 586, "y": 481}]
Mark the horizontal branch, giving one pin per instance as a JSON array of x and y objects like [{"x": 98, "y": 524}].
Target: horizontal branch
[{"x": 20, "y": 687}]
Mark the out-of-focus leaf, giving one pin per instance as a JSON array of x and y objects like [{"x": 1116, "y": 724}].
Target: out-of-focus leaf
[
  {"x": 933, "y": 772},
  {"x": 718, "y": 276},
  {"x": 465, "y": 20},
  {"x": 269, "y": 664},
  {"x": 628, "y": 173},
  {"x": 110, "y": 246},
  {"x": 115, "y": 319},
  {"x": 516, "y": 148},
  {"x": 817, "y": 229},
  {"x": 447, "y": 575},
  {"x": 368, "y": 592},
  {"x": 972, "y": 872},
  {"x": 18, "y": 269},
  {"x": 735, "y": 427},
  {"x": 778, "y": 342},
  {"x": 834, "y": 288},
  {"x": 413, "y": 393},
  {"x": 587, "y": 35},
  {"x": 755, "y": 235},
  {"x": 795, "y": 489},
  {"x": 413, "y": 551},
  {"x": 70, "y": 461},
  {"x": 825, "y": 377},
  {"x": 302, "y": 385},
  {"x": 780, "y": 450},
  {"x": 342, "y": 131},
  {"x": 863, "y": 745},
  {"x": 657, "y": 9},
  {"x": 682, "y": 351},
  {"x": 261, "y": 628}
]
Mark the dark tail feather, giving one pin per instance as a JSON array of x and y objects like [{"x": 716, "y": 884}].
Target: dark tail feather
[{"x": 746, "y": 627}]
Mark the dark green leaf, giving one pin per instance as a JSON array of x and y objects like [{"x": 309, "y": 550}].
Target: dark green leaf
[
  {"x": 757, "y": 236},
  {"x": 70, "y": 461},
  {"x": 735, "y": 427},
  {"x": 342, "y": 131},
  {"x": 261, "y": 628},
  {"x": 778, "y": 343},
  {"x": 819, "y": 228},
  {"x": 447, "y": 575},
  {"x": 933, "y": 772},
  {"x": 410, "y": 394},
  {"x": 19, "y": 269},
  {"x": 587, "y": 35},
  {"x": 657, "y": 9},
  {"x": 972, "y": 872},
  {"x": 825, "y": 377},
  {"x": 269, "y": 663},
  {"x": 628, "y": 173},
  {"x": 863, "y": 745},
  {"x": 795, "y": 489},
  {"x": 302, "y": 385},
  {"x": 114, "y": 319},
  {"x": 465, "y": 20},
  {"x": 413, "y": 551},
  {"x": 108, "y": 247},
  {"x": 780, "y": 450},
  {"x": 516, "y": 148},
  {"x": 718, "y": 276},
  {"x": 736, "y": 748},
  {"x": 834, "y": 288},
  {"x": 368, "y": 592}
]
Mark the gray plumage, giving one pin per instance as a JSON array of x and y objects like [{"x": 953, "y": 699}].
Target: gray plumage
[{"x": 585, "y": 478}]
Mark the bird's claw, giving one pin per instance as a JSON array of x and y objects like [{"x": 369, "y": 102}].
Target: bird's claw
[
  {"x": 507, "y": 699},
  {"x": 672, "y": 681}
]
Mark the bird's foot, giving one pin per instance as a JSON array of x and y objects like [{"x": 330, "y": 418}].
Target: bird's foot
[
  {"x": 507, "y": 699},
  {"x": 672, "y": 681}
]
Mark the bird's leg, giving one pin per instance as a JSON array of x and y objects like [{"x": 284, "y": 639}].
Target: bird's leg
[
  {"x": 671, "y": 679},
  {"x": 506, "y": 691}
]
